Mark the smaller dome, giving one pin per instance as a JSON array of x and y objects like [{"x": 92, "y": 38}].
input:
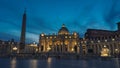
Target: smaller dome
[{"x": 63, "y": 30}]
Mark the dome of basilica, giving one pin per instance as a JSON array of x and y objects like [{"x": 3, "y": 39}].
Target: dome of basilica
[{"x": 63, "y": 30}]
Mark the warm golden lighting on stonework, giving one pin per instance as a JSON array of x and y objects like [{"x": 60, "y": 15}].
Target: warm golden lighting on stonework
[
  {"x": 63, "y": 41},
  {"x": 36, "y": 49},
  {"x": 105, "y": 52},
  {"x": 75, "y": 43},
  {"x": 66, "y": 42},
  {"x": 33, "y": 45},
  {"x": 48, "y": 48},
  {"x": 50, "y": 43},
  {"x": 50, "y": 37}
]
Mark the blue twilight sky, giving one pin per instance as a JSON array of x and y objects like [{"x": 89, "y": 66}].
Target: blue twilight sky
[{"x": 48, "y": 15}]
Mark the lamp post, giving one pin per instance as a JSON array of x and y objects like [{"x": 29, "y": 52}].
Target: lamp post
[
  {"x": 98, "y": 46},
  {"x": 116, "y": 52},
  {"x": 14, "y": 51},
  {"x": 105, "y": 52},
  {"x": 53, "y": 45},
  {"x": 113, "y": 51},
  {"x": 15, "y": 48}
]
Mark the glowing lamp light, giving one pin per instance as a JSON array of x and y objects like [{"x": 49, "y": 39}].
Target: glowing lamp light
[
  {"x": 72, "y": 49},
  {"x": 113, "y": 39},
  {"x": 65, "y": 36},
  {"x": 33, "y": 45},
  {"x": 91, "y": 41},
  {"x": 116, "y": 50},
  {"x": 75, "y": 33},
  {"x": 42, "y": 34},
  {"x": 69, "y": 36},
  {"x": 75, "y": 43},
  {"x": 50, "y": 37},
  {"x": 98, "y": 41},
  {"x": 15, "y": 48},
  {"x": 36, "y": 49},
  {"x": 105, "y": 40},
  {"x": 104, "y": 45}
]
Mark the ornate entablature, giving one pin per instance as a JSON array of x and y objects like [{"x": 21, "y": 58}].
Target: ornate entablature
[{"x": 61, "y": 42}]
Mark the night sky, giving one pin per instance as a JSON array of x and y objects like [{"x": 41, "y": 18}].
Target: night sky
[{"x": 48, "y": 16}]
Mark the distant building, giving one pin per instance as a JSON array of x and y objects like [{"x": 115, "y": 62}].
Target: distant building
[
  {"x": 31, "y": 48},
  {"x": 63, "y": 42},
  {"x": 8, "y": 47},
  {"x": 97, "y": 39}
]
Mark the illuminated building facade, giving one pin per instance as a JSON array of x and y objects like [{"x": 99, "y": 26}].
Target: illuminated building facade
[
  {"x": 98, "y": 39},
  {"x": 63, "y": 42}
]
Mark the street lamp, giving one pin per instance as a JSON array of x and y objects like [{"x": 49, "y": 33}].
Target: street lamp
[
  {"x": 105, "y": 40},
  {"x": 98, "y": 41},
  {"x": 42, "y": 34},
  {"x": 104, "y": 46},
  {"x": 92, "y": 42},
  {"x": 116, "y": 51},
  {"x": 72, "y": 49},
  {"x": 15, "y": 48},
  {"x": 113, "y": 39}
]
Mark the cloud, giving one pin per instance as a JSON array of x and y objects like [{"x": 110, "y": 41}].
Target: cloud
[
  {"x": 48, "y": 16},
  {"x": 39, "y": 24},
  {"x": 32, "y": 37},
  {"x": 7, "y": 36},
  {"x": 113, "y": 14},
  {"x": 9, "y": 22}
]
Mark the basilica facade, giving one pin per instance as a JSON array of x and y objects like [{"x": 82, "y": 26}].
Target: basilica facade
[
  {"x": 62, "y": 42},
  {"x": 96, "y": 41}
]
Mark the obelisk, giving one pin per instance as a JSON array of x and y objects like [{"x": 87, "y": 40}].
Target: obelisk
[{"x": 23, "y": 31}]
